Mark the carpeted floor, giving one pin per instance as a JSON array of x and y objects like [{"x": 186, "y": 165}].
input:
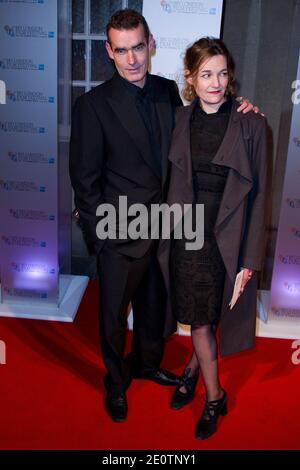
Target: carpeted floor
[{"x": 51, "y": 393}]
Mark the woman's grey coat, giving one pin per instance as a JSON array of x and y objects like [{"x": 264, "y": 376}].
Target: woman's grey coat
[{"x": 240, "y": 224}]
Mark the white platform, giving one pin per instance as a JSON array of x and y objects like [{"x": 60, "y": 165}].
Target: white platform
[
  {"x": 286, "y": 328},
  {"x": 71, "y": 290}
]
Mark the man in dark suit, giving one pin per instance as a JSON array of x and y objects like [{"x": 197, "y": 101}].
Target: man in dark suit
[{"x": 121, "y": 134}]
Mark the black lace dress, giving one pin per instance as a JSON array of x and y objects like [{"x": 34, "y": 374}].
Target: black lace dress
[{"x": 198, "y": 275}]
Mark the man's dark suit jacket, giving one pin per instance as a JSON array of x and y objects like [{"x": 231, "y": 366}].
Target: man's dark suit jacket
[{"x": 110, "y": 155}]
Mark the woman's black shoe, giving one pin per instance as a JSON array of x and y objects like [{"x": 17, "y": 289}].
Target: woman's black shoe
[
  {"x": 207, "y": 424},
  {"x": 181, "y": 399}
]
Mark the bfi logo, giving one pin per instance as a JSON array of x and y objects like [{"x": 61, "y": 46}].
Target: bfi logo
[
  {"x": 2, "y": 92},
  {"x": 2, "y": 353}
]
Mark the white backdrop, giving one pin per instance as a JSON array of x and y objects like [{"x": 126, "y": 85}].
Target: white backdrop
[{"x": 175, "y": 25}]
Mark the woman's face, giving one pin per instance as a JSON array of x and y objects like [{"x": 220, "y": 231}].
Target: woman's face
[{"x": 210, "y": 83}]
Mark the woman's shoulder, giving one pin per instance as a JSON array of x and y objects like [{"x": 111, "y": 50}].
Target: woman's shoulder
[
  {"x": 251, "y": 122},
  {"x": 252, "y": 118},
  {"x": 183, "y": 111}
]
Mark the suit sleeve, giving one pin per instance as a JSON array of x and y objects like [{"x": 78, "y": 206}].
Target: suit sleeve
[
  {"x": 175, "y": 97},
  {"x": 86, "y": 162},
  {"x": 255, "y": 231}
]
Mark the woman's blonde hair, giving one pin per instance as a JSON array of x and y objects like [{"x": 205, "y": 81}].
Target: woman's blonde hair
[{"x": 199, "y": 52}]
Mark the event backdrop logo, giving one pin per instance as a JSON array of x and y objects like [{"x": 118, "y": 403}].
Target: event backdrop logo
[
  {"x": 28, "y": 97},
  {"x": 166, "y": 6},
  {"x": 194, "y": 8},
  {"x": 295, "y": 232},
  {"x": 285, "y": 312},
  {"x": 292, "y": 287},
  {"x": 33, "y": 268},
  {"x": 22, "y": 31},
  {"x": 289, "y": 259},
  {"x": 28, "y": 2},
  {"x": 16, "y": 240},
  {"x": 178, "y": 77},
  {"x": 27, "y": 293},
  {"x": 29, "y": 214},
  {"x": 20, "y": 64},
  {"x": 171, "y": 43},
  {"x": 30, "y": 157},
  {"x": 28, "y": 186},
  {"x": 294, "y": 203},
  {"x": 296, "y": 141},
  {"x": 22, "y": 127}
]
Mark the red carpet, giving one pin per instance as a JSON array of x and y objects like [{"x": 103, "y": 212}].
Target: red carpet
[{"x": 51, "y": 393}]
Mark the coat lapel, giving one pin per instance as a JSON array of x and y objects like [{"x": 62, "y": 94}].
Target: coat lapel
[
  {"x": 232, "y": 155},
  {"x": 239, "y": 180},
  {"x": 123, "y": 105}
]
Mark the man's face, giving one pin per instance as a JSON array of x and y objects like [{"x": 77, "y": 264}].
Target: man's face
[{"x": 129, "y": 49}]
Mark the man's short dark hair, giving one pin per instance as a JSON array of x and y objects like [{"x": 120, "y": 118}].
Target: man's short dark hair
[{"x": 127, "y": 19}]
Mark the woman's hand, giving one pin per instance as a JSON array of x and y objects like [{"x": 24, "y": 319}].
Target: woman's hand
[{"x": 247, "y": 275}]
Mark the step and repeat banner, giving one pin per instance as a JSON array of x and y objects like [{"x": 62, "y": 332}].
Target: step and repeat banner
[
  {"x": 285, "y": 289},
  {"x": 175, "y": 25},
  {"x": 28, "y": 151}
]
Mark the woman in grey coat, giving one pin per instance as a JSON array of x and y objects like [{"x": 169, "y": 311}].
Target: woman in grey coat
[{"x": 218, "y": 159}]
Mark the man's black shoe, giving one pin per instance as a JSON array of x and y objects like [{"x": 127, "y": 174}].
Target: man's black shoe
[
  {"x": 160, "y": 376},
  {"x": 116, "y": 406}
]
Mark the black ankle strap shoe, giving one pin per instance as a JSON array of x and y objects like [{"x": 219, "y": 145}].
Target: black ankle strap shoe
[
  {"x": 207, "y": 424},
  {"x": 181, "y": 399}
]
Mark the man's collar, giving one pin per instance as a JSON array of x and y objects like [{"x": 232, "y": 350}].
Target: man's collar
[{"x": 134, "y": 89}]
